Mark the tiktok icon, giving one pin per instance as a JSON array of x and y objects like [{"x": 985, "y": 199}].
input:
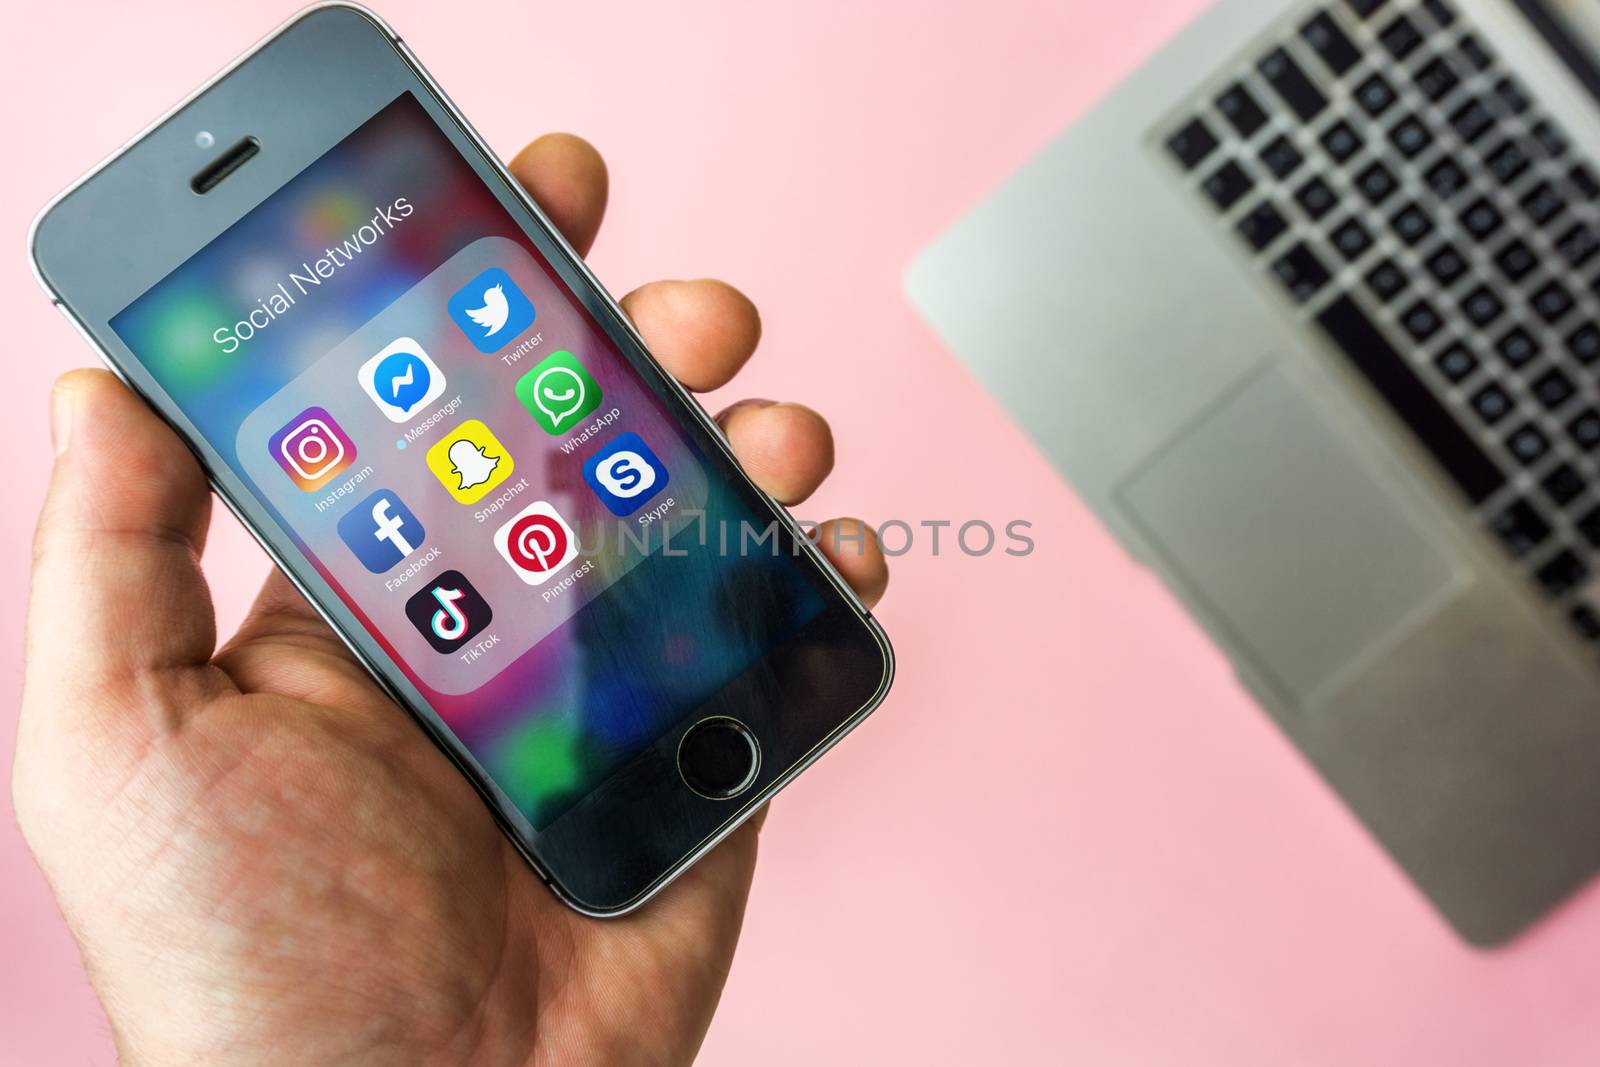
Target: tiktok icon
[{"x": 449, "y": 612}]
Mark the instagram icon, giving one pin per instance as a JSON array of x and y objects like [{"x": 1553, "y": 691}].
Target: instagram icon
[{"x": 312, "y": 449}]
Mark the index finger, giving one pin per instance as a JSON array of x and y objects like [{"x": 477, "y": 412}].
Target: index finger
[{"x": 567, "y": 179}]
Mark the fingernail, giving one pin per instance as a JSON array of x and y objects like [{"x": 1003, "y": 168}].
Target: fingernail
[
  {"x": 62, "y": 403},
  {"x": 753, "y": 402}
]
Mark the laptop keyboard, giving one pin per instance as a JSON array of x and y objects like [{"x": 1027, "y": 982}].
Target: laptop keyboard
[{"x": 1403, "y": 190}]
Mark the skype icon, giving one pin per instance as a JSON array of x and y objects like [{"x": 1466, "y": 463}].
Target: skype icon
[{"x": 625, "y": 473}]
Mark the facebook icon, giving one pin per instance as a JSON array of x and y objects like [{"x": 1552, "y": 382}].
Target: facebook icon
[{"x": 381, "y": 531}]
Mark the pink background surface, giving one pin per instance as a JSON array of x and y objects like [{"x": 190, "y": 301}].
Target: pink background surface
[{"x": 1068, "y": 835}]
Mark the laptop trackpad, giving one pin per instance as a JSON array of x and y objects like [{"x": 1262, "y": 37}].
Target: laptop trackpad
[{"x": 1288, "y": 538}]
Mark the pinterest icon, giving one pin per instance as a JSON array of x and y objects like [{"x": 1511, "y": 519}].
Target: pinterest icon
[{"x": 537, "y": 543}]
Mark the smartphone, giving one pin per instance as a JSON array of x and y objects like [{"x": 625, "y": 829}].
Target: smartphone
[{"x": 412, "y": 391}]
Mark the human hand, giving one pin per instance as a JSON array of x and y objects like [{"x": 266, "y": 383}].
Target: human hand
[{"x": 262, "y": 857}]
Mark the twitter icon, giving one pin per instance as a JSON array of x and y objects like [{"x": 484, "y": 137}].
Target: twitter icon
[{"x": 491, "y": 310}]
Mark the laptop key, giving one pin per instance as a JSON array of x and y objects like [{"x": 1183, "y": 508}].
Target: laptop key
[
  {"x": 1481, "y": 218},
  {"x": 1192, "y": 144},
  {"x": 1341, "y": 141},
  {"x": 1584, "y": 429},
  {"x": 1583, "y": 180},
  {"x": 1351, "y": 239},
  {"x": 1481, "y": 306},
  {"x": 1365, "y": 8},
  {"x": 1410, "y": 137},
  {"x": 1589, "y": 526},
  {"x": 1563, "y": 485},
  {"x": 1508, "y": 162},
  {"x": 1578, "y": 244},
  {"x": 1241, "y": 110},
  {"x": 1586, "y": 621},
  {"x": 1491, "y": 402},
  {"x": 1517, "y": 347},
  {"x": 1446, "y": 265},
  {"x": 1376, "y": 95},
  {"x": 1520, "y": 528},
  {"x": 1542, "y": 203},
  {"x": 1421, "y": 321},
  {"x": 1516, "y": 260},
  {"x": 1511, "y": 94},
  {"x": 1377, "y": 183},
  {"x": 1387, "y": 280},
  {"x": 1261, "y": 226},
  {"x": 1316, "y": 198},
  {"x": 1478, "y": 57},
  {"x": 1456, "y": 363},
  {"x": 1281, "y": 157},
  {"x": 1550, "y": 138},
  {"x": 1401, "y": 37},
  {"x": 1441, "y": 11},
  {"x": 1330, "y": 43},
  {"x": 1553, "y": 388},
  {"x": 1370, "y": 353},
  {"x": 1227, "y": 184},
  {"x": 1411, "y": 224},
  {"x": 1436, "y": 79},
  {"x": 1472, "y": 120},
  {"x": 1301, "y": 272},
  {"x": 1584, "y": 343},
  {"x": 1446, "y": 178},
  {"x": 1290, "y": 82},
  {"x": 1563, "y": 573},
  {"x": 1552, "y": 301},
  {"x": 1528, "y": 444}
]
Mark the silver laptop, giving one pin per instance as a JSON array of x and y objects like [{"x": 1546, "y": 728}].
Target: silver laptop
[{"x": 1307, "y": 310}]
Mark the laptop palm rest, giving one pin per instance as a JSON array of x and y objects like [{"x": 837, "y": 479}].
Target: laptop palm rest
[{"x": 1287, "y": 540}]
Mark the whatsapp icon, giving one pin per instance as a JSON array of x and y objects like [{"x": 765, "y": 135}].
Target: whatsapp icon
[{"x": 558, "y": 392}]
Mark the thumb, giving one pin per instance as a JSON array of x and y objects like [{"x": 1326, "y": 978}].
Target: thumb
[{"x": 119, "y": 611}]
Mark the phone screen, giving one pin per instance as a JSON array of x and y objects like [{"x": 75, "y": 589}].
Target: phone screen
[{"x": 504, "y": 498}]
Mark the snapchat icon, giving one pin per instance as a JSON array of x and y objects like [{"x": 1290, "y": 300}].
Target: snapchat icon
[{"x": 469, "y": 461}]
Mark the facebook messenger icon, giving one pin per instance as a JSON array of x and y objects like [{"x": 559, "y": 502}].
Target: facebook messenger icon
[{"x": 401, "y": 380}]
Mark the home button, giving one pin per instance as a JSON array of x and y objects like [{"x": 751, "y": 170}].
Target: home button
[{"x": 719, "y": 757}]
